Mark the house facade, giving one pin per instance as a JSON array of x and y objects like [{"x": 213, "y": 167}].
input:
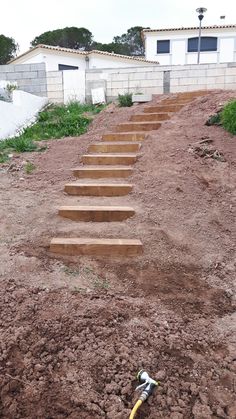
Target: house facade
[
  {"x": 61, "y": 59},
  {"x": 179, "y": 46}
]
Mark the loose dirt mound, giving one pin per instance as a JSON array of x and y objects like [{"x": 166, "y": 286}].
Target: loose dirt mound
[{"x": 75, "y": 332}]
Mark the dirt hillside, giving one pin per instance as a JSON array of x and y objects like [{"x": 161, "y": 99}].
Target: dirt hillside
[{"x": 75, "y": 331}]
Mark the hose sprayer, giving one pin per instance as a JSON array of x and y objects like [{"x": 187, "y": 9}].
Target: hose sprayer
[{"x": 147, "y": 385}]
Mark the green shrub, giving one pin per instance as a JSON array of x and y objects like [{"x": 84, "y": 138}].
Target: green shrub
[
  {"x": 228, "y": 117},
  {"x": 214, "y": 119},
  {"x": 125, "y": 100}
]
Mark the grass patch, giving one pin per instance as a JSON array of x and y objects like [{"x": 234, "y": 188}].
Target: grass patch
[
  {"x": 57, "y": 121},
  {"x": 125, "y": 100},
  {"x": 228, "y": 117},
  {"x": 29, "y": 168}
]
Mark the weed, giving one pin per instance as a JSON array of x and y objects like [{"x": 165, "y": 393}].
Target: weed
[
  {"x": 19, "y": 144},
  {"x": 125, "y": 100},
  {"x": 228, "y": 117},
  {"x": 3, "y": 158},
  {"x": 101, "y": 283},
  {"x": 29, "y": 167},
  {"x": 214, "y": 119},
  {"x": 79, "y": 289},
  {"x": 71, "y": 271}
]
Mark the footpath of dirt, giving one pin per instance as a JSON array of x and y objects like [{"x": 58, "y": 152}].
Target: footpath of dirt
[{"x": 75, "y": 331}]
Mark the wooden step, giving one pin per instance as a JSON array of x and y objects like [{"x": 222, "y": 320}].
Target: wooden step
[
  {"x": 163, "y": 108},
  {"x": 96, "y": 247},
  {"x": 190, "y": 95},
  {"x": 98, "y": 189},
  {"x": 181, "y": 102},
  {"x": 109, "y": 159},
  {"x": 112, "y": 147},
  {"x": 136, "y": 136},
  {"x": 97, "y": 172},
  {"x": 138, "y": 126},
  {"x": 150, "y": 117},
  {"x": 96, "y": 214}
]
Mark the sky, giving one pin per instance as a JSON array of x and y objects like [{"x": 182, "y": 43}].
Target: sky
[{"x": 23, "y": 20}]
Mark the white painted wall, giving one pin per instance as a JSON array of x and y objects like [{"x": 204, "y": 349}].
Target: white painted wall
[
  {"x": 52, "y": 60},
  {"x": 19, "y": 114},
  {"x": 106, "y": 61},
  {"x": 179, "y": 43},
  {"x": 74, "y": 85}
]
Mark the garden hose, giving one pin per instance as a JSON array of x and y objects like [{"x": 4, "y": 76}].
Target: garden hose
[
  {"x": 147, "y": 386},
  {"x": 135, "y": 408}
]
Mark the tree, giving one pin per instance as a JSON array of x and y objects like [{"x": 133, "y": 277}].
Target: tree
[
  {"x": 112, "y": 47},
  {"x": 132, "y": 40},
  {"x": 8, "y": 49},
  {"x": 75, "y": 38}
]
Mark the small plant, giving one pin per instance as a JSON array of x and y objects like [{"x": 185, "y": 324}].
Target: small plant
[
  {"x": 29, "y": 167},
  {"x": 125, "y": 100},
  {"x": 228, "y": 117},
  {"x": 101, "y": 283},
  {"x": 214, "y": 119},
  {"x": 3, "y": 158}
]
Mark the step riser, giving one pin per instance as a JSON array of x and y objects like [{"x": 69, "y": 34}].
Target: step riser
[
  {"x": 102, "y": 174},
  {"x": 98, "y": 216},
  {"x": 114, "y": 148},
  {"x": 101, "y": 190},
  {"x": 176, "y": 102},
  {"x": 150, "y": 117},
  {"x": 138, "y": 127},
  {"x": 103, "y": 160},
  {"x": 124, "y": 137},
  {"x": 121, "y": 248},
  {"x": 163, "y": 108}
]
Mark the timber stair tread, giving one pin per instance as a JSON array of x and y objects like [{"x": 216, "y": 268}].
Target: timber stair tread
[
  {"x": 96, "y": 246},
  {"x": 120, "y": 136},
  {"x": 89, "y": 213},
  {"x": 98, "y": 189},
  {"x": 101, "y": 171},
  {"x": 110, "y": 158}
]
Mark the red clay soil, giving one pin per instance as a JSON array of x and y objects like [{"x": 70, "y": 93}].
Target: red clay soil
[{"x": 75, "y": 331}]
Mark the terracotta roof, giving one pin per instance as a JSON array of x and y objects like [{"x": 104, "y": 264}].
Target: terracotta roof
[
  {"x": 189, "y": 28},
  {"x": 78, "y": 52}
]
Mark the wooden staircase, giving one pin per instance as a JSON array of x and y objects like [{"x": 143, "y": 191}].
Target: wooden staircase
[{"x": 112, "y": 158}]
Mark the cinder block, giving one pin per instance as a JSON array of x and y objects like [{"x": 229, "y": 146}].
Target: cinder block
[
  {"x": 37, "y": 66},
  {"x": 22, "y": 67},
  {"x": 174, "y": 82},
  {"x": 230, "y": 71},
  {"x": 28, "y": 75},
  {"x": 210, "y": 72},
  {"x": 55, "y": 95},
  {"x": 155, "y": 75},
  {"x": 41, "y": 74},
  {"x": 54, "y": 74},
  {"x": 230, "y": 79},
  {"x": 13, "y": 76}
]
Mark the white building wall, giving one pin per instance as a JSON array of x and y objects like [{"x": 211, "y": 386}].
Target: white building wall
[
  {"x": 106, "y": 61},
  {"x": 226, "y": 49},
  {"x": 52, "y": 60}
]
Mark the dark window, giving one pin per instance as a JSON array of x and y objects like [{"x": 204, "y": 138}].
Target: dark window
[
  {"x": 62, "y": 67},
  {"x": 208, "y": 43},
  {"x": 163, "y": 47}
]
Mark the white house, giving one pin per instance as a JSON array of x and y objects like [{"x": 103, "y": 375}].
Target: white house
[
  {"x": 58, "y": 59},
  {"x": 179, "y": 45}
]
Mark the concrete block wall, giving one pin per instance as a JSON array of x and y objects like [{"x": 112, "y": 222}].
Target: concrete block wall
[
  {"x": 204, "y": 76},
  {"x": 30, "y": 78},
  {"x": 55, "y": 86},
  {"x": 161, "y": 79}
]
